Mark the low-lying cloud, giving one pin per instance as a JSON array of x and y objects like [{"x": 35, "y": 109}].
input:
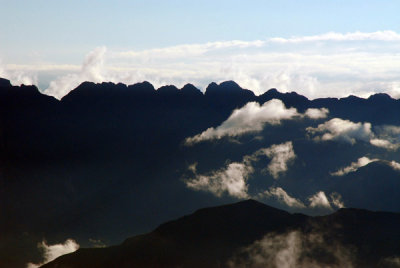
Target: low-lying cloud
[
  {"x": 387, "y": 137},
  {"x": 293, "y": 249},
  {"x": 340, "y": 129},
  {"x": 283, "y": 197},
  {"x": 252, "y": 118},
  {"x": 232, "y": 179},
  {"x": 361, "y": 162},
  {"x": 318, "y": 201},
  {"x": 395, "y": 165},
  {"x": 314, "y": 113},
  {"x": 354, "y": 166},
  {"x": 280, "y": 155},
  {"x": 51, "y": 252},
  {"x": 385, "y": 144}
]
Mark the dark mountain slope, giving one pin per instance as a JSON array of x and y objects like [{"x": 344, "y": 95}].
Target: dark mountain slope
[
  {"x": 210, "y": 237},
  {"x": 111, "y": 157}
]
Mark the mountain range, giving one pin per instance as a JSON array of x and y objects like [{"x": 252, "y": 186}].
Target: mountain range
[{"x": 110, "y": 161}]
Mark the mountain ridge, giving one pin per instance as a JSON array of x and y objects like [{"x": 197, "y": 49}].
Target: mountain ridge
[
  {"x": 213, "y": 87},
  {"x": 173, "y": 247}
]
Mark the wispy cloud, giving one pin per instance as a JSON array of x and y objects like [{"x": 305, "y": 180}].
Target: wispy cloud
[
  {"x": 354, "y": 166},
  {"x": 233, "y": 178},
  {"x": 334, "y": 36},
  {"x": 385, "y": 144},
  {"x": 280, "y": 155},
  {"x": 282, "y": 196},
  {"x": 51, "y": 252},
  {"x": 293, "y": 249},
  {"x": 318, "y": 201},
  {"x": 91, "y": 70}
]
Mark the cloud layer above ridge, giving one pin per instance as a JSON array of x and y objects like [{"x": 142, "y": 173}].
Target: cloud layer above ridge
[{"x": 330, "y": 64}]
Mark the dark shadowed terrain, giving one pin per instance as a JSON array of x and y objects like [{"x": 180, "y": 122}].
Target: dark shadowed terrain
[
  {"x": 110, "y": 161},
  {"x": 222, "y": 236}
]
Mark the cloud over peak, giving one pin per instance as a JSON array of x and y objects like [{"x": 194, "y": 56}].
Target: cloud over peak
[
  {"x": 318, "y": 201},
  {"x": 354, "y": 166}
]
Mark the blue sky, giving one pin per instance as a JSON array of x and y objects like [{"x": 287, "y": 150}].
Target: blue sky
[{"x": 43, "y": 41}]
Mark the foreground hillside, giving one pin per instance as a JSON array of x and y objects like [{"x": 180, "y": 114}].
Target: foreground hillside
[{"x": 251, "y": 234}]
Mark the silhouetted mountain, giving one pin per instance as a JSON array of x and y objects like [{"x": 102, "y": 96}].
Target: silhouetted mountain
[
  {"x": 112, "y": 157},
  {"x": 375, "y": 186},
  {"x": 211, "y": 237}
]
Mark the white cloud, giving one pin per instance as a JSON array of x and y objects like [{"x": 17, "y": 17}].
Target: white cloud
[
  {"x": 314, "y": 113},
  {"x": 251, "y": 118},
  {"x": 283, "y": 197},
  {"x": 51, "y": 252},
  {"x": 362, "y": 161},
  {"x": 91, "y": 70},
  {"x": 232, "y": 179},
  {"x": 280, "y": 155},
  {"x": 18, "y": 77},
  {"x": 395, "y": 165},
  {"x": 293, "y": 249},
  {"x": 337, "y": 68},
  {"x": 339, "y": 129},
  {"x": 336, "y": 200},
  {"x": 388, "y": 137},
  {"x": 319, "y": 200},
  {"x": 385, "y": 144},
  {"x": 333, "y": 36}
]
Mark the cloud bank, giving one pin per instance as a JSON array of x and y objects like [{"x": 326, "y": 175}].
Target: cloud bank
[
  {"x": 51, "y": 252},
  {"x": 252, "y": 118},
  {"x": 315, "y": 66}
]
